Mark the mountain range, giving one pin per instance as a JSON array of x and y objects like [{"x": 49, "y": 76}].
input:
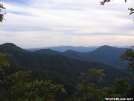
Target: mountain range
[
  {"x": 65, "y": 48},
  {"x": 104, "y": 54},
  {"x": 63, "y": 69}
]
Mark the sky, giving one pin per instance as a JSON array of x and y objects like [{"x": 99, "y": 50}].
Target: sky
[{"x": 45, "y": 23}]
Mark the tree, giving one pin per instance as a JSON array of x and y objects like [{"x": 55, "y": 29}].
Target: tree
[
  {"x": 131, "y": 9},
  {"x": 88, "y": 89},
  {"x": 23, "y": 89},
  {"x": 4, "y": 63},
  {"x": 2, "y": 15},
  {"x": 104, "y": 1},
  {"x": 129, "y": 56},
  {"x": 3, "y": 60},
  {"x": 121, "y": 86}
]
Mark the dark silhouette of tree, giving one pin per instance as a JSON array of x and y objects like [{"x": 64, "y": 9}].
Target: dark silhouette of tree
[
  {"x": 2, "y": 15},
  {"x": 129, "y": 56},
  {"x": 131, "y": 9},
  {"x": 104, "y": 1}
]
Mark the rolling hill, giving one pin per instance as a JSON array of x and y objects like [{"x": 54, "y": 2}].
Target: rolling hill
[
  {"x": 65, "y": 48},
  {"x": 104, "y": 54},
  {"x": 58, "y": 63}
]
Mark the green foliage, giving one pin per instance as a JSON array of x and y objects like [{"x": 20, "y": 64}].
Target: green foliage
[
  {"x": 121, "y": 86},
  {"x": 39, "y": 75},
  {"x": 2, "y": 15},
  {"x": 129, "y": 56},
  {"x": 94, "y": 76},
  {"x": 22, "y": 89},
  {"x": 4, "y": 63},
  {"x": 89, "y": 88},
  {"x": 97, "y": 74},
  {"x": 3, "y": 60}
]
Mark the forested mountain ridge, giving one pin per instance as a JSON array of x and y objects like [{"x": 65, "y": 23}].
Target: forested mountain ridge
[
  {"x": 58, "y": 63},
  {"x": 65, "y": 48},
  {"x": 61, "y": 69},
  {"x": 10, "y": 46},
  {"x": 109, "y": 55},
  {"x": 105, "y": 54}
]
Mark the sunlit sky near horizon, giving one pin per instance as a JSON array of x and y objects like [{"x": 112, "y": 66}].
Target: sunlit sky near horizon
[{"x": 44, "y": 23}]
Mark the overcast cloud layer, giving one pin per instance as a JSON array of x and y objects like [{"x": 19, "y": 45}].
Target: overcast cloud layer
[{"x": 41, "y": 23}]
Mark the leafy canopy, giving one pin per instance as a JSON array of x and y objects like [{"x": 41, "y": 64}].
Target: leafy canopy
[
  {"x": 21, "y": 88},
  {"x": 120, "y": 86},
  {"x": 2, "y": 15},
  {"x": 129, "y": 56},
  {"x": 88, "y": 89},
  {"x": 3, "y": 61}
]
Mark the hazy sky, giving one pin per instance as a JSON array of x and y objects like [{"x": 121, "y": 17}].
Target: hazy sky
[{"x": 42, "y": 23}]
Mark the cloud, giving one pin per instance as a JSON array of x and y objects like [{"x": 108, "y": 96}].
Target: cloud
[{"x": 40, "y": 23}]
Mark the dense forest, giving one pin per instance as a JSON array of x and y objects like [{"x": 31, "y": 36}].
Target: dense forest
[{"x": 34, "y": 76}]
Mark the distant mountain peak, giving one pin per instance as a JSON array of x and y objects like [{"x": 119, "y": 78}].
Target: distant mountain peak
[
  {"x": 105, "y": 47},
  {"x": 10, "y": 46}
]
